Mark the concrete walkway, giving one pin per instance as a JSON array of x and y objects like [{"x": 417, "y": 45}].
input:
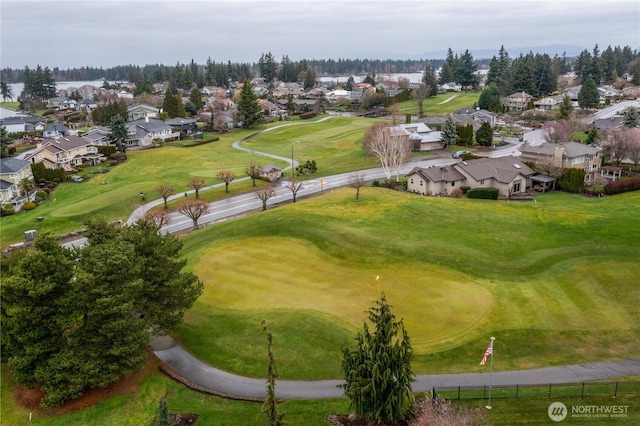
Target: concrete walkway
[{"x": 188, "y": 369}]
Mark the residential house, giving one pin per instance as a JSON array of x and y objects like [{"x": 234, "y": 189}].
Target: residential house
[
  {"x": 270, "y": 172},
  {"x": 303, "y": 105},
  {"x": 422, "y": 137},
  {"x": 186, "y": 125},
  {"x": 434, "y": 180},
  {"x": 284, "y": 90},
  {"x": 449, "y": 87},
  {"x": 12, "y": 171},
  {"x": 87, "y": 105},
  {"x": 65, "y": 153},
  {"x": 270, "y": 109},
  {"x": 141, "y": 111},
  {"x": 479, "y": 115},
  {"x": 517, "y": 101},
  {"x": 142, "y": 132},
  {"x": 338, "y": 95},
  {"x": 19, "y": 123},
  {"x": 548, "y": 103},
  {"x": 97, "y": 135},
  {"x": 565, "y": 155},
  {"x": 507, "y": 174},
  {"x": 54, "y": 130}
]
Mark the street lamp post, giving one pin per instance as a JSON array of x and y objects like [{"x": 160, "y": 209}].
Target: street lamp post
[{"x": 292, "y": 164}]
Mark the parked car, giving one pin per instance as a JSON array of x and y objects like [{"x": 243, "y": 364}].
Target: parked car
[{"x": 459, "y": 154}]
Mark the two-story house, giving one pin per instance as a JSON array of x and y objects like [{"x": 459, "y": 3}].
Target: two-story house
[
  {"x": 421, "y": 136},
  {"x": 65, "y": 153},
  {"x": 143, "y": 132},
  {"x": 517, "y": 101},
  {"x": 12, "y": 172},
  {"x": 141, "y": 111},
  {"x": 565, "y": 155}
]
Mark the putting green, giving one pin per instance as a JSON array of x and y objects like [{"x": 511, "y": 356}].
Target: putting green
[{"x": 438, "y": 306}]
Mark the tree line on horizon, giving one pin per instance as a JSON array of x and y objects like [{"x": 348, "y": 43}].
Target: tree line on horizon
[{"x": 611, "y": 62}]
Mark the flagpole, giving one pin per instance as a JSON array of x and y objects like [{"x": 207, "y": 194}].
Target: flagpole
[{"x": 490, "y": 372}]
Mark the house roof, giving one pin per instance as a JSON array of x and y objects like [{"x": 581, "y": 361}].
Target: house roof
[
  {"x": 269, "y": 168},
  {"x": 571, "y": 149},
  {"x": 503, "y": 169},
  {"x": 65, "y": 143},
  {"x": 177, "y": 121},
  {"x": 438, "y": 174},
  {"x": 12, "y": 165},
  {"x": 608, "y": 123},
  {"x": 150, "y": 125},
  {"x": 142, "y": 106},
  {"x": 19, "y": 120}
]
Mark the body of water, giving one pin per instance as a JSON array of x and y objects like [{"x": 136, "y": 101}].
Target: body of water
[{"x": 60, "y": 85}]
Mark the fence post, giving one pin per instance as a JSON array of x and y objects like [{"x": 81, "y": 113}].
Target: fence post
[
  {"x": 516, "y": 391},
  {"x": 582, "y": 389},
  {"x": 458, "y": 393},
  {"x": 549, "y": 390},
  {"x": 615, "y": 394},
  {"x": 433, "y": 393}
]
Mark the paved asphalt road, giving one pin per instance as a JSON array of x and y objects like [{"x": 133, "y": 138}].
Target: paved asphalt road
[{"x": 222, "y": 383}]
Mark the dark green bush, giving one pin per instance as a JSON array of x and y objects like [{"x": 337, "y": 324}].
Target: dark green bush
[
  {"x": 464, "y": 189},
  {"x": 572, "y": 180},
  {"x": 41, "y": 195},
  {"x": 483, "y": 193},
  {"x": 7, "y": 210}
]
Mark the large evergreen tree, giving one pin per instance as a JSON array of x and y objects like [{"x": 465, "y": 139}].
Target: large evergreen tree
[
  {"x": 118, "y": 133},
  {"x": 449, "y": 133},
  {"x": 378, "y": 371},
  {"x": 465, "y": 70},
  {"x": 248, "y": 107},
  {"x": 490, "y": 98},
  {"x": 170, "y": 104},
  {"x": 268, "y": 67},
  {"x": 589, "y": 97},
  {"x": 484, "y": 135},
  {"x": 72, "y": 321}
]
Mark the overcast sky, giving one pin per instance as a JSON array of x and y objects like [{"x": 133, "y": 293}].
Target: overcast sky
[{"x": 69, "y": 34}]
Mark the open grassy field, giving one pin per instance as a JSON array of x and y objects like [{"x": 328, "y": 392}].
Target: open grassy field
[
  {"x": 333, "y": 144},
  {"x": 442, "y": 104},
  {"x": 540, "y": 277}
]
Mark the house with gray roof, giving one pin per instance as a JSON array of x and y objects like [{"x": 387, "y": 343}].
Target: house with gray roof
[
  {"x": 507, "y": 174},
  {"x": 565, "y": 155},
  {"x": 141, "y": 111},
  {"x": 12, "y": 171},
  {"x": 65, "y": 153},
  {"x": 421, "y": 136},
  {"x": 517, "y": 101},
  {"x": 142, "y": 132},
  {"x": 19, "y": 123}
]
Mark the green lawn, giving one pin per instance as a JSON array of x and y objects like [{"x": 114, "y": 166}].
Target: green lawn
[
  {"x": 335, "y": 145},
  {"x": 540, "y": 277},
  {"x": 442, "y": 104}
]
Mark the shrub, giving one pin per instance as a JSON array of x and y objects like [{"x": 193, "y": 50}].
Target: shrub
[
  {"x": 572, "y": 180},
  {"x": 81, "y": 166},
  {"x": 306, "y": 115},
  {"x": 620, "y": 186},
  {"x": 41, "y": 195},
  {"x": 7, "y": 210},
  {"x": 375, "y": 183},
  {"x": 483, "y": 193},
  {"x": 457, "y": 193},
  {"x": 464, "y": 189},
  {"x": 107, "y": 150},
  {"x": 118, "y": 156},
  {"x": 29, "y": 205}
]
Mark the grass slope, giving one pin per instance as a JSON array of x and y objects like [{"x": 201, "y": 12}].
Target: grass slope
[{"x": 540, "y": 277}]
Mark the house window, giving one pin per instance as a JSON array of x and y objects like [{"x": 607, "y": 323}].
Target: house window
[
  {"x": 516, "y": 186},
  {"x": 411, "y": 181},
  {"x": 482, "y": 182},
  {"x": 421, "y": 182},
  {"x": 453, "y": 184}
]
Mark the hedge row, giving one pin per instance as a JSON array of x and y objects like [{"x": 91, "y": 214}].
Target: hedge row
[
  {"x": 189, "y": 144},
  {"x": 483, "y": 193},
  {"x": 620, "y": 186}
]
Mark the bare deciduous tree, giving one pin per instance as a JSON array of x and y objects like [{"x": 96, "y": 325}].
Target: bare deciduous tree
[
  {"x": 618, "y": 144},
  {"x": 548, "y": 169},
  {"x": 226, "y": 176},
  {"x": 194, "y": 209},
  {"x": 196, "y": 183},
  {"x": 264, "y": 194},
  {"x": 391, "y": 150},
  {"x": 558, "y": 131},
  {"x": 634, "y": 146},
  {"x": 440, "y": 412},
  {"x": 165, "y": 190},
  {"x": 419, "y": 94},
  {"x": 294, "y": 186},
  {"x": 158, "y": 218},
  {"x": 356, "y": 180},
  {"x": 253, "y": 171}
]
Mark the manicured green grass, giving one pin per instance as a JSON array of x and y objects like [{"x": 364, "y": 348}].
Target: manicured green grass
[
  {"x": 114, "y": 195},
  {"x": 141, "y": 408},
  {"x": 441, "y": 105},
  {"x": 539, "y": 277},
  {"x": 11, "y": 105}
]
